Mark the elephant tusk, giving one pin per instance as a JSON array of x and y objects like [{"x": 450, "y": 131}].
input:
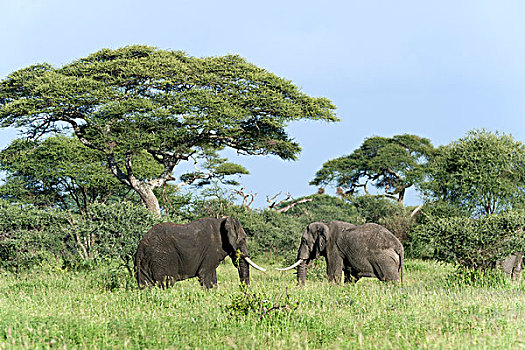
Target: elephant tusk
[
  {"x": 290, "y": 267},
  {"x": 254, "y": 265}
]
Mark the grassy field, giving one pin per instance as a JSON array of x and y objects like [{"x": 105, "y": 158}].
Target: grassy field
[{"x": 103, "y": 309}]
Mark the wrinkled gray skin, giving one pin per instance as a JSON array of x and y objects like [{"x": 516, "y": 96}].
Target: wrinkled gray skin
[
  {"x": 369, "y": 250},
  {"x": 513, "y": 265},
  {"x": 172, "y": 252}
]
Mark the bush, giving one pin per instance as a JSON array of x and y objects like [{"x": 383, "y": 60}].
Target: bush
[
  {"x": 474, "y": 243},
  {"x": 31, "y": 236},
  {"x": 440, "y": 209},
  {"x": 323, "y": 208},
  {"x": 272, "y": 234},
  {"x": 373, "y": 209},
  {"x": 277, "y": 235},
  {"x": 420, "y": 245},
  {"x": 399, "y": 224},
  {"x": 110, "y": 232},
  {"x": 259, "y": 304}
]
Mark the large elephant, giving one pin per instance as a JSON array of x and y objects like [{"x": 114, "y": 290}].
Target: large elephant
[
  {"x": 172, "y": 252},
  {"x": 369, "y": 250}
]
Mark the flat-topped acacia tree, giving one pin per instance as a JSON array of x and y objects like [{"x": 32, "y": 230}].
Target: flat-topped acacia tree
[
  {"x": 171, "y": 105},
  {"x": 392, "y": 164}
]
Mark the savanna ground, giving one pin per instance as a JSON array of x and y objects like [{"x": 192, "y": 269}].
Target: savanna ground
[{"x": 103, "y": 309}]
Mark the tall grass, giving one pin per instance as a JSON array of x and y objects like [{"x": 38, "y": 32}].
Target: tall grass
[{"x": 50, "y": 308}]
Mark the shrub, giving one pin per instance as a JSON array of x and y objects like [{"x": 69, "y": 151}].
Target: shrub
[
  {"x": 440, "y": 209},
  {"x": 323, "y": 208},
  {"x": 399, "y": 224},
  {"x": 420, "y": 245},
  {"x": 259, "y": 304},
  {"x": 31, "y": 236},
  {"x": 278, "y": 234},
  {"x": 110, "y": 232},
  {"x": 272, "y": 234},
  {"x": 474, "y": 243},
  {"x": 373, "y": 209}
]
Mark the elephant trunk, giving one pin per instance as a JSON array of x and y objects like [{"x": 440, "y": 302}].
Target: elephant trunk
[
  {"x": 301, "y": 273},
  {"x": 244, "y": 272}
]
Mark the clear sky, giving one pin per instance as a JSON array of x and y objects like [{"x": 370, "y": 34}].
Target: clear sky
[{"x": 436, "y": 69}]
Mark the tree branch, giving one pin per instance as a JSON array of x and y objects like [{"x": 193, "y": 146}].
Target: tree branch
[
  {"x": 272, "y": 203},
  {"x": 115, "y": 169},
  {"x": 291, "y": 205},
  {"x": 245, "y": 197},
  {"x": 415, "y": 211}
]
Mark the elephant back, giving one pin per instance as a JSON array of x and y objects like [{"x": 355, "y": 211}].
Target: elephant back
[{"x": 373, "y": 236}]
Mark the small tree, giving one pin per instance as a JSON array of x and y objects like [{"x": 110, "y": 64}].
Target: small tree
[
  {"x": 172, "y": 106},
  {"x": 483, "y": 173},
  {"x": 476, "y": 185},
  {"x": 389, "y": 164}
]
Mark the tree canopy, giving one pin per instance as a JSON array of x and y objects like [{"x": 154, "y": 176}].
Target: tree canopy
[
  {"x": 391, "y": 164},
  {"x": 483, "y": 173},
  {"x": 173, "y": 106}
]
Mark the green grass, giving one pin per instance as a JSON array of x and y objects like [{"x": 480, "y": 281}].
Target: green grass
[{"x": 103, "y": 309}]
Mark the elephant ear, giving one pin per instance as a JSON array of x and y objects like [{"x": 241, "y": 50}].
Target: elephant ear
[
  {"x": 229, "y": 233},
  {"x": 322, "y": 238}
]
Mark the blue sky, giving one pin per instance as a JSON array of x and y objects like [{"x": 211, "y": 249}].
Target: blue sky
[{"x": 436, "y": 69}]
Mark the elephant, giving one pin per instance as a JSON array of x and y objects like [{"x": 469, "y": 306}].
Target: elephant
[
  {"x": 368, "y": 250},
  {"x": 512, "y": 265},
  {"x": 171, "y": 252}
]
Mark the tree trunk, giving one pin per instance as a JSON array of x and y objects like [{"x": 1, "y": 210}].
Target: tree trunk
[
  {"x": 149, "y": 199},
  {"x": 143, "y": 189}
]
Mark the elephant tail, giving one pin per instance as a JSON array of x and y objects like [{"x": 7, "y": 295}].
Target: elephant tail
[{"x": 143, "y": 277}]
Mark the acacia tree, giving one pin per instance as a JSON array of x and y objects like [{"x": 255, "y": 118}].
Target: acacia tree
[
  {"x": 389, "y": 164},
  {"x": 171, "y": 105},
  {"x": 482, "y": 173}
]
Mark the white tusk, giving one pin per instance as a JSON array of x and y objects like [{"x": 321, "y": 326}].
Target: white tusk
[
  {"x": 254, "y": 265},
  {"x": 290, "y": 267}
]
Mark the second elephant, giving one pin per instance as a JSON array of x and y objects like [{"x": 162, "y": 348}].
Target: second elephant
[{"x": 368, "y": 250}]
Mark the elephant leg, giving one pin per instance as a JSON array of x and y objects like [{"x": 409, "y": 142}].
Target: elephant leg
[
  {"x": 351, "y": 277},
  {"x": 386, "y": 269},
  {"x": 168, "y": 282},
  {"x": 518, "y": 266},
  {"x": 347, "y": 276},
  {"x": 161, "y": 278},
  {"x": 334, "y": 279},
  {"x": 208, "y": 279},
  {"x": 334, "y": 269},
  {"x": 509, "y": 265}
]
